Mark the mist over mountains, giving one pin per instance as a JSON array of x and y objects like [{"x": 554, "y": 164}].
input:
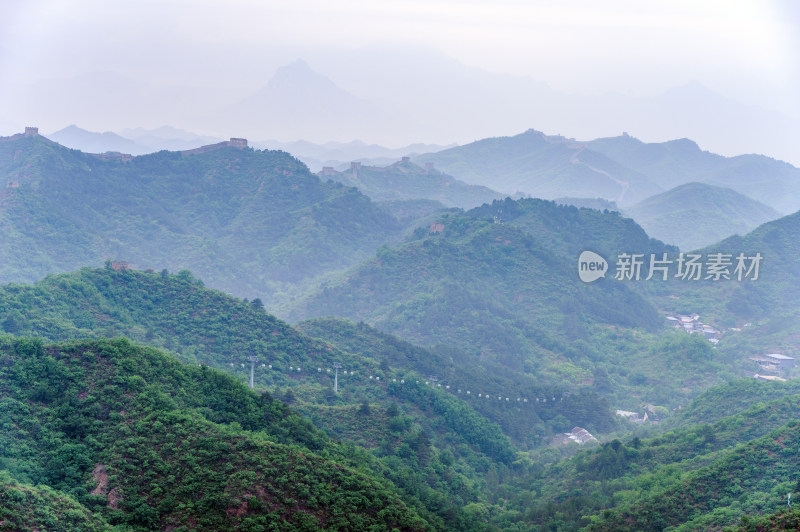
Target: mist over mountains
[
  {"x": 410, "y": 266},
  {"x": 398, "y": 97}
]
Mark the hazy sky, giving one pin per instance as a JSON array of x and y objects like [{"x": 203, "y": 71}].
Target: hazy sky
[{"x": 745, "y": 50}]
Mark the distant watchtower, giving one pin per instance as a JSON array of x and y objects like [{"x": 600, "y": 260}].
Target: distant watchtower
[
  {"x": 355, "y": 167},
  {"x": 120, "y": 266},
  {"x": 31, "y": 131},
  {"x": 238, "y": 142},
  {"x": 405, "y": 160}
]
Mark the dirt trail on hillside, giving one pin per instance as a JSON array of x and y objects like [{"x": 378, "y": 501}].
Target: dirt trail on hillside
[{"x": 623, "y": 184}]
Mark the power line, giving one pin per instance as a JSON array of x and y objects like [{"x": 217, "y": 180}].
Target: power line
[
  {"x": 336, "y": 367},
  {"x": 252, "y": 359},
  {"x": 432, "y": 381}
]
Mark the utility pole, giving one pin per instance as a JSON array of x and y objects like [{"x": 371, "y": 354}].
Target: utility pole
[
  {"x": 252, "y": 359},
  {"x": 336, "y": 367}
]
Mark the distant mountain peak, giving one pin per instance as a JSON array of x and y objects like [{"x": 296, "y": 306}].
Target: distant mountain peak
[
  {"x": 76, "y": 137},
  {"x": 299, "y": 74},
  {"x": 684, "y": 143}
]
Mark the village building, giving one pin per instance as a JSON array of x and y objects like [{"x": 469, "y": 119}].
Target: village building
[
  {"x": 691, "y": 324},
  {"x": 781, "y": 361},
  {"x": 773, "y": 363}
]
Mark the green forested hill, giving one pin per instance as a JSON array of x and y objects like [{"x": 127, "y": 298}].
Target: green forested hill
[
  {"x": 438, "y": 446},
  {"x": 246, "y": 220},
  {"x": 696, "y": 215},
  {"x": 149, "y": 443},
  {"x": 172, "y": 311},
  {"x": 752, "y": 478},
  {"x": 758, "y": 316},
  {"x": 785, "y": 520},
  {"x": 500, "y": 283},
  {"x": 205, "y": 326},
  {"x": 734, "y": 396},
  {"x": 100, "y": 433},
  {"x": 26, "y": 507},
  {"x": 505, "y": 291},
  {"x": 697, "y": 476},
  {"x": 566, "y": 230},
  {"x": 764, "y": 312},
  {"x": 200, "y": 325},
  {"x": 525, "y": 424},
  {"x": 433, "y": 445}
]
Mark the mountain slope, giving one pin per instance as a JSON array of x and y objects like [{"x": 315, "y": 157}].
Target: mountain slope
[
  {"x": 491, "y": 288},
  {"x": 627, "y": 479},
  {"x": 135, "y": 427},
  {"x": 411, "y": 432},
  {"x": 544, "y": 167},
  {"x": 696, "y": 215},
  {"x": 467, "y": 373},
  {"x": 405, "y": 180},
  {"x": 677, "y": 162},
  {"x": 300, "y": 103},
  {"x": 621, "y": 169},
  {"x": 91, "y": 142},
  {"x": 246, "y": 220},
  {"x": 770, "y": 301},
  {"x": 566, "y": 230},
  {"x": 205, "y": 326},
  {"x": 27, "y": 507},
  {"x": 341, "y": 154},
  {"x": 717, "y": 494},
  {"x": 507, "y": 293}
]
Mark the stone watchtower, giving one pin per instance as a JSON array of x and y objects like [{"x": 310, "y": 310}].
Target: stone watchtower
[
  {"x": 31, "y": 131},
  {"x": 119, "y": 265},
  {"x": 238, "y": 142}
]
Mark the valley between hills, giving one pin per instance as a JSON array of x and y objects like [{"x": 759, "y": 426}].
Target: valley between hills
[{"x": 220, "y": 338}]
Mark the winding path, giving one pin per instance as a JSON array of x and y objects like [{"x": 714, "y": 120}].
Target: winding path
[{"x": 623, "y": 184}]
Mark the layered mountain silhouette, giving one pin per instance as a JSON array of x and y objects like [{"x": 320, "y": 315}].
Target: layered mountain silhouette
[
  {"x": 696, "y": 215},
  {"x": 404, "y": 180},
  {"x": 621, "y": 169}
]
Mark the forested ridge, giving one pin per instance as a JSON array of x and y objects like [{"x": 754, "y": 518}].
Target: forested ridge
[
  {"x": 147, "y": 442},
  {"x": 437, "y": 359},
  {"x": 250, "y": 222}
]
